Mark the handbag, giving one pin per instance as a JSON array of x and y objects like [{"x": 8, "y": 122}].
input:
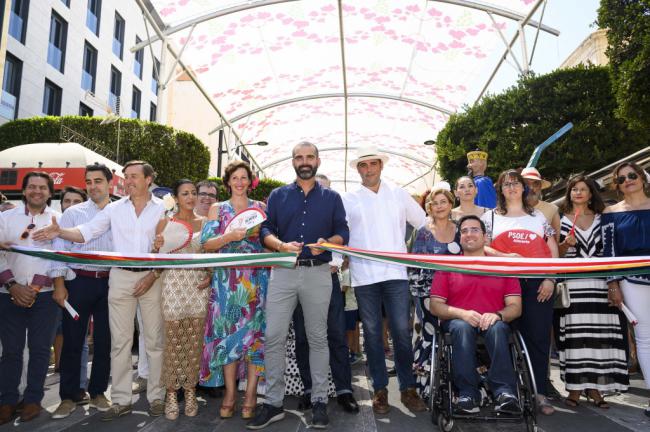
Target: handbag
[{"x": 562, "y": 298}]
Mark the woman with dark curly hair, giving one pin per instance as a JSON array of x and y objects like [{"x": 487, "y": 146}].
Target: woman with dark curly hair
[
  {"x": 591, "y": 344},
  {"x": 514, "y": 227}
]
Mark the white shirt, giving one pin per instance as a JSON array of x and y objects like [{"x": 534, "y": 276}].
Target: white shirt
[
  {"x": 377, "y": 222},
  {"x": 130, "y": 232},
  {"x": 76, "y": 215},
  {"x": 25, "y": 269}
]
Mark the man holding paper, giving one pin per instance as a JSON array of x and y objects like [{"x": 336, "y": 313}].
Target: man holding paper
[
  {"x": 299, "y": 214},
  {"x": 26, "y": 304},
  {"x": 87, "y": 294}
]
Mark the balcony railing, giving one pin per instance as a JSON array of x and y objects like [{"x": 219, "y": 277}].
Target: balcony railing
[
  {"x": 87, "y": 81},
  {"x": 91, "y": 21},
  {"x": 54, "y": 56},
  {"x": 8, "y": 105},
  {"x": 16, "y": 26}
]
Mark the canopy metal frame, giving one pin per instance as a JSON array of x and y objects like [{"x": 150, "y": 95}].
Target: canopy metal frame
[{"x": 522, "y": 20}]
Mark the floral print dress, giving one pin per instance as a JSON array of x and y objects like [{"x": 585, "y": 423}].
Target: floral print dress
[{"x": 235, "y": 325}]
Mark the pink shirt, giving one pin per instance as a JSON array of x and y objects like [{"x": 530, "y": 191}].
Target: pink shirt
[{"x": 482, "y": 294}]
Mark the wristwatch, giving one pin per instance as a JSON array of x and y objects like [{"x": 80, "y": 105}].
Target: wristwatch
[{"x": 499, "y": 315}]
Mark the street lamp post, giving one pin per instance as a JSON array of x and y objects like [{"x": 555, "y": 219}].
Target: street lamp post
[{"x": 222, "y": 151}]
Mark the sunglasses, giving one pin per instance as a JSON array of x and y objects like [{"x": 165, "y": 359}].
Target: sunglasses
[
  {"x": 206, "y": 194},
  {"x": 630, "y": 176},
  {"x": 29, "y": 229}
]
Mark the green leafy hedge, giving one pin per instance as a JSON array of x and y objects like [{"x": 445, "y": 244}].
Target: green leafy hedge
[
  {"x": 174, "y": 154},
  {"x": 260, "y": 193},
  {"x": 511, "y": 124}
]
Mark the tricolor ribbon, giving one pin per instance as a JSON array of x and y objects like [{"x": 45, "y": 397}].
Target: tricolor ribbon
[
  {"x": 146, "y": 260},
  {"x": 509, "y": 267}
]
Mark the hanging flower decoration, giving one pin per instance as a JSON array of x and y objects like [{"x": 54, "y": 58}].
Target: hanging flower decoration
[
  {"x": 169, "y": 202},
  {"x": 255, "y": 182}
]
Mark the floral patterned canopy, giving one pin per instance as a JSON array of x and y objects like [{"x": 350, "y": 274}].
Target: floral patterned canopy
[{"x": 341, "y": 74}]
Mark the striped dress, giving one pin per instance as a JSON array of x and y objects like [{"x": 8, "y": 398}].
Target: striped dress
[{"x": 591, "y": 344}]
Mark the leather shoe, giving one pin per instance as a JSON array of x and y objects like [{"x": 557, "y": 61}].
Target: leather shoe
[
  {"x": 30, "y": 412},
  {"x": 7, "y": 413},
  {"x": 347, "y": 401},
  {"x": 305, "y": 402}
]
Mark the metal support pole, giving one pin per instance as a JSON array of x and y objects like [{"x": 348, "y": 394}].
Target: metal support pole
[{"x": 220, "y": 152}]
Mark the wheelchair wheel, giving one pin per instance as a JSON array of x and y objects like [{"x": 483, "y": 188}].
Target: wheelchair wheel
[
  {"x": 526, "y": 383},
  {"x": 445, "y": 423}
]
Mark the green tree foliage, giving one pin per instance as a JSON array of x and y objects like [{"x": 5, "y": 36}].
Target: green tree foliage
[
  {"x": 260, "y": 193},
  {"x": 628, "y": 24},
  {"x": 174, "y": 154},
  {"x": 510, "y": 125}
]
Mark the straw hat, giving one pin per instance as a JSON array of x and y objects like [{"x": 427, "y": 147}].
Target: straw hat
[
  {"x": 368, "y": 153},
  {"x": 532, "y": 174}
]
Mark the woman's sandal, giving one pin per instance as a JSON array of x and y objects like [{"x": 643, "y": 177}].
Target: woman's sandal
[
  {"x": 171, "y": 406},
  {"x": 573, "y": 403},
  {"x": 600, "y": 402},
  {"x": 248, "y": 411},
  {"x": 227, "y": 411}
]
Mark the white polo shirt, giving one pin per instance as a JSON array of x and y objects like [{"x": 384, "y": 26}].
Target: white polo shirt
[{"x": 377, "y": 222}]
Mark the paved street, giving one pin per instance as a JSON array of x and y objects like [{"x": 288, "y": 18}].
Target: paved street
[{"x": 625, "y": 415}]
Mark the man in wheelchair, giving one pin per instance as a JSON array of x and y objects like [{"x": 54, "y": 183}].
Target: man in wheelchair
[{"x": 470, "y": 305}]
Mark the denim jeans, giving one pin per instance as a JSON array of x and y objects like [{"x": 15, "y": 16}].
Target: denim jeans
[
  {"x": 396, "y": 298},
  {"x": 501, "y": 375},
  {"x": 336, "y": 340},
  {"x": 535, "y": 327},
  {"x": 89, "y": 296},
  {"x": 39, "y": 323}
]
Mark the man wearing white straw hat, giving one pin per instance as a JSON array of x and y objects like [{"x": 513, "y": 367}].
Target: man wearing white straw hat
[{"x": 377, "y": 214}]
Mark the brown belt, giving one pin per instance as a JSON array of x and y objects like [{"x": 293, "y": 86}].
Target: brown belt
[{"x": 92, "y": 274}]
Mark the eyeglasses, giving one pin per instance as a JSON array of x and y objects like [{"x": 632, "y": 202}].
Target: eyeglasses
[
  {"x": 630, "y": 176},
  {"x": 206, "y": 194},
  {"x": 29, "y": 229},
  {"x": 471, "y": 230},
  {"x": 508, "y": 185}
]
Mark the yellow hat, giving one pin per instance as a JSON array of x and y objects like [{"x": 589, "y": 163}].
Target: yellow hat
[{"x": 476, "y": 154}]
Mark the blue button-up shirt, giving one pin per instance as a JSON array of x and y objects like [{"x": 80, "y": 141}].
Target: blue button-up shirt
[{"x": 292, "y": 216}]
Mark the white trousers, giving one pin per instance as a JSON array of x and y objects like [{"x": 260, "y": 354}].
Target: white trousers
[{"x": 637, "y": 298}]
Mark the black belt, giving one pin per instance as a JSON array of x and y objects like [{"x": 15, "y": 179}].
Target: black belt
[
  {"x": 134, "y": 269},
  {"x": 309, "y": 263}
]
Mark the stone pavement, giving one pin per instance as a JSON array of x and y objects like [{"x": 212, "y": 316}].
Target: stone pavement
[{"x": 625, "y": 415}]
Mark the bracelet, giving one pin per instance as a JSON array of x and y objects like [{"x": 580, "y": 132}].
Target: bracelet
[{"x": 612, "y": 289}]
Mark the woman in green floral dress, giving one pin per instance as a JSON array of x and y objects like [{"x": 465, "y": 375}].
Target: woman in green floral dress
[{"x": 234, "y": 331}]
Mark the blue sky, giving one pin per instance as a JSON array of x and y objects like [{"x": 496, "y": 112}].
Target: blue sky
[{"x": 575, "y": 21}]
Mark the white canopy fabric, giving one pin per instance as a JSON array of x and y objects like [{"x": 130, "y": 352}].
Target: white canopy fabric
[{"x": 343, "y": 74}]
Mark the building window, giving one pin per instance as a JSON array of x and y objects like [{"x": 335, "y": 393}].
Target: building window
[
  {"x": 52, "y": 99},
  {"x": 58, "y": 39},
  {"x": 154, "y": 76},
  {"x": 152, "y": 112},
  {"x": 115, "y": 90},
  {"x": 85, "y": 110},
  {"x": 8, "y": 177},
  {"x": 89, "y": 68},
  {"x": 93, "y": 15},
  {"x": 66, "y": 2},
  {"x": 11, "y": 87},
  {"x": 138, "y": 60},
  {"x": 118, "y": 36},
  {"x": 136, "y": 99},
  {"x": 18, "y": 19}
]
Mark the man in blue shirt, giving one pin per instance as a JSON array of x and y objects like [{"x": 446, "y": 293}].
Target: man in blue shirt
[
  {"x": 486, "y": 195},
  {"x": 299, "y": 214}
]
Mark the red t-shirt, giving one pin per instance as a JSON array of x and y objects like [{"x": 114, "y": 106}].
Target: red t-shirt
[{"x": 473, "y": 292}]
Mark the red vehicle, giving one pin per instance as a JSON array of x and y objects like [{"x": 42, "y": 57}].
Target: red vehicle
[{"x": 65, "y": 162}]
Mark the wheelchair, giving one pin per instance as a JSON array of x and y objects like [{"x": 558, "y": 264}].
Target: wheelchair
[{"x": 443, "y": 394}]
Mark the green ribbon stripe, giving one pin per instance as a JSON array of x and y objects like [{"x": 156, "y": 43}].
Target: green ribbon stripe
[{"x": 257, "y": 260}]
